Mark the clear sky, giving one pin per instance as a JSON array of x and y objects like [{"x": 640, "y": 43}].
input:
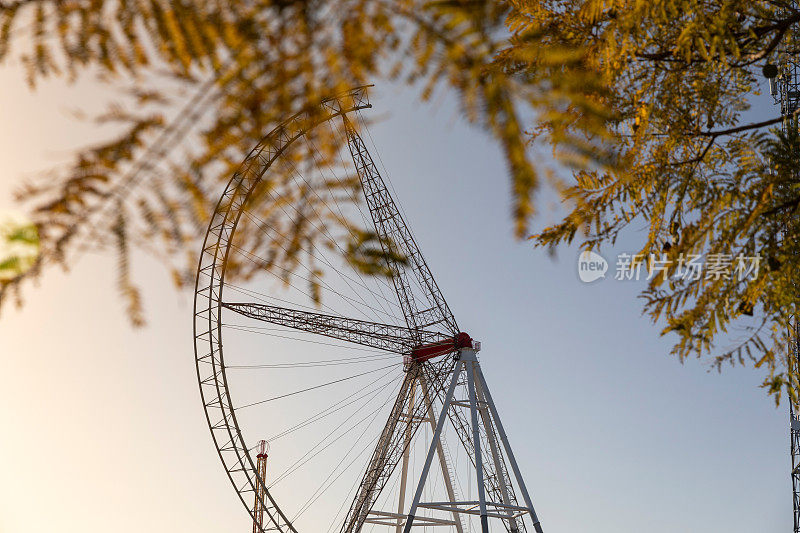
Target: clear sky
[{"x": 103, "y": 426}]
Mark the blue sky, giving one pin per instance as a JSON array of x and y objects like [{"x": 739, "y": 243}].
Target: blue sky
[{"x": 104, "y": 424}]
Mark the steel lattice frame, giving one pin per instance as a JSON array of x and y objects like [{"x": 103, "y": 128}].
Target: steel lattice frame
[
  {"x": 423, "y": 306},
  {"x": 390, "y": 338},
  {"x": 794, "y": 430},
  {"x": 393, "y": 231},
  {"x": 221, "y": 418},
  {"x": 788, "y": 97}
]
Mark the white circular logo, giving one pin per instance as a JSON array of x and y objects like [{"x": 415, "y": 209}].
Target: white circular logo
[{"x": 591, "y": 266}]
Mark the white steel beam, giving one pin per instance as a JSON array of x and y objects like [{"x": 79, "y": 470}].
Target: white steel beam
[
  {"x": 509, "y": 453},
  {"x": 470, "y": 363}
]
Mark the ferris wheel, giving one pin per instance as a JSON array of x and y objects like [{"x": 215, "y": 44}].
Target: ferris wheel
[{"x": 340, "y": 350}]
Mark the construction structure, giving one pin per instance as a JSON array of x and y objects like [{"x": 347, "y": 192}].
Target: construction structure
[
  {"x": 784, "y": 82},
  {"x": 261, "y": 468},
  {"x": 440, "y": 385}
]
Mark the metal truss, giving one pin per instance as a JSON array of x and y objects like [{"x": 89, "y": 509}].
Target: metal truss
[
  {"x": 498, "y": 481},
  {"x": 479, "y": 400},
  {"x": 395, "y": 237},
  {"x": 794, "y": 437},
  {"x": 387, "y": 454},
  {"x": 788, "y": 96},
  {"x": 386, "y": 337},
  {"x": 444, "y": 459},
  {"x": 209, "y": 286},
  {"x": 382, "y": 518},
  {"x": 495, "y": 493},
  {"x": 410, "y": 411},
  {"x": 258, "y": 505},
  {"x": 454, "y": 382},
  {"x": 794, "y": 428},
  {"x": 493, "y": 509},
  {"x": 789, "y": 85}
]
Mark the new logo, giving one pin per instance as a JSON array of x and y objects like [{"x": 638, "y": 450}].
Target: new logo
[{"x": 591, "y": 266}]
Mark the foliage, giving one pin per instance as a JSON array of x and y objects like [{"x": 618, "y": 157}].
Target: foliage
[
  {"x": 19, "y": 244},
  {"x": 655, "y": 97},
  {"x": 200, "y": 83},
  {"x": 646, "y": 102}
]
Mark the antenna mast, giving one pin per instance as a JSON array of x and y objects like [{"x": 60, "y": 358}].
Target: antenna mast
[{"x": 784, "y": 86}]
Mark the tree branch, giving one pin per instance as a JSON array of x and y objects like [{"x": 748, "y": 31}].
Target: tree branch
[
  {"x": 737, "y": 129},
  {"x": 780, "y": 27}
]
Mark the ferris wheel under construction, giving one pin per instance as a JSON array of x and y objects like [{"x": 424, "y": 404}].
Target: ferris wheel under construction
[{"x": 362, "y": 387}]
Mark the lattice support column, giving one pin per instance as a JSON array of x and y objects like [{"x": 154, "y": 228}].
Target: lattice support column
[
  {"x": 794, "y": 428},
  {"x": 258, "y": 504}
]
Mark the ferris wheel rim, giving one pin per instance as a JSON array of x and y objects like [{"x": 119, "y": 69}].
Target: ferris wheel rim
[{"x": 339, "y": 105}]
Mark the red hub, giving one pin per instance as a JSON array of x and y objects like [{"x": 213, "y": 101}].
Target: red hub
[{"x": 429, "y": 351}]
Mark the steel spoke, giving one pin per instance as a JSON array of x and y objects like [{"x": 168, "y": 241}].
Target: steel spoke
[
  {"x": 386, "y": 337},
  {"x": 402, "y": 255}
]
